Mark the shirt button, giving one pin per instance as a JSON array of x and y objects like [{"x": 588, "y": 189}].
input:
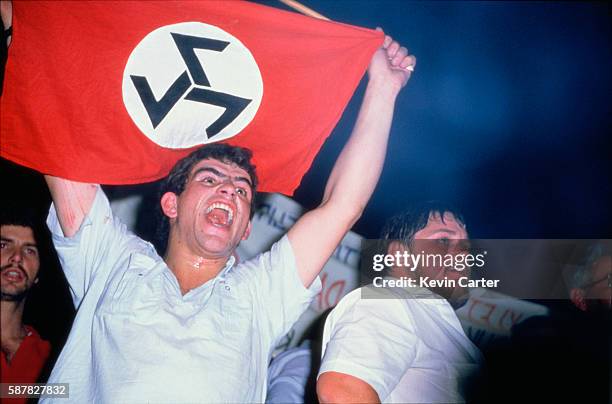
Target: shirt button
[{"x": 227, "y": 287}]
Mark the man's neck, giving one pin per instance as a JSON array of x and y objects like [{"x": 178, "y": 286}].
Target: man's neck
[
  {"x": 455, "y": 297},
  {"x": 12, "y": 329},
  {"x": 192, "y": 270},
  {"x": 10, "y": 320}
]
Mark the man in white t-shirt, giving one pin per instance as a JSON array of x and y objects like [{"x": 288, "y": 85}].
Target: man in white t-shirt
[{"x": 403, "y": 344}]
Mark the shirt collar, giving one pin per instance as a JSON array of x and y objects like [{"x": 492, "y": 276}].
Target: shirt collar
[
  {"x": 229, "y": 265},
  {"x": 169, "y": 275}
]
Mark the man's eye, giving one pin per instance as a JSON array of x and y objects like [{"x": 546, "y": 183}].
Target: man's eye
[
  {"x": 444, "y": 241},
  {"x": 208, "y": 180},
  {"x": 241, "y": 191},
  {"x": 31, "y": 251},
  {"x": 3, "y": 244}
]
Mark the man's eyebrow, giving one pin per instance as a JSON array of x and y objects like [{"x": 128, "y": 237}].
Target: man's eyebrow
[
  {"x": 220, "y": 174},
  {"x": 244, "y": 179},
  {"x": 444, "y": 231},
  {"x": 11, "y": 240},
  {"x": 208, "y": 169}
]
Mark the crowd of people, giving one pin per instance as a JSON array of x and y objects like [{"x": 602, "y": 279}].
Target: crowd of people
[{"x": 373, "y": 346}]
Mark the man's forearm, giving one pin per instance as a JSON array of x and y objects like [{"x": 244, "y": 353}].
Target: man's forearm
[
  {"x": 360, "y": 163},
  {"x": 354, "y": 176},
  {"x": 358, "y": 167}
]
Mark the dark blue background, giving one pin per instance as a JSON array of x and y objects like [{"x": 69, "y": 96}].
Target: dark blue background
[{"x": 508, "y": 115}]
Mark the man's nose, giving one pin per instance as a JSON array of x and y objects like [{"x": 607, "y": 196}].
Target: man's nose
[
  {"x": 15, "y": 255},
  {"x": 227, "y": 188}
]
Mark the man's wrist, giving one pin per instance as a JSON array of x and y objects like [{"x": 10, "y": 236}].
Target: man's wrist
[{"x": 384, "y": 88}]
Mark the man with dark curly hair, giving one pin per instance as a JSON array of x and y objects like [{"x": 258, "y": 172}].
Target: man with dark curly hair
[{"x": 196, "y": 326}]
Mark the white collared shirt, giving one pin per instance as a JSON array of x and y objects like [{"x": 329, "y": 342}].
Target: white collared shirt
[
  {"x": 408, "y": 349},
  {"x": 135, "y": 338}
]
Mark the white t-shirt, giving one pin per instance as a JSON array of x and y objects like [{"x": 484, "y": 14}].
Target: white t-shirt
[
  {"x": 407, "y": 348},
  {"x": 136, "y": 338}
]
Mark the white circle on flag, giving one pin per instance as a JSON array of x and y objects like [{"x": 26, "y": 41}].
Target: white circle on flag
[{"x": 166, "y": 97}]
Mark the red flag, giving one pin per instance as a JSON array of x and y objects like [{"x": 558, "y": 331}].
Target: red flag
[{"x": 116, "y": 92}]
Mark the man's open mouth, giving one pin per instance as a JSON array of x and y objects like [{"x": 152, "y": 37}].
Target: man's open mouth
[
  {"x": 220, "y": 214},
  {"x": 14, "y": 274}
]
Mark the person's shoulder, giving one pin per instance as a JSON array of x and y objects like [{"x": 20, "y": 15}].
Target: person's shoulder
[
  {"x": 42, "y": 345},
  {"x": 374, "y": 293},
  {"x": 31, "y": 332},
  {"x": 368, "y": 299},
  {"x": 280, "y": 252}
]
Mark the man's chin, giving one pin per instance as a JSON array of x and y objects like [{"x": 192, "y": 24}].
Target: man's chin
[
  {"x": 13, "y": 296},
  {"x": 218, "y": 249}
]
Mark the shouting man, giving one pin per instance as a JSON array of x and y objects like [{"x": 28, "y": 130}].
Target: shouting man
[{"x": 196, "y": 326}]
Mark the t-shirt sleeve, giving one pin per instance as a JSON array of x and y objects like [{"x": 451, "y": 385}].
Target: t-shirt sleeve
[
  {"x": 277, "y": 287},
  {"x": 369, "y": 339},
  {"x": 92, "y": 253},
  {"x": 287, "y": 376}
]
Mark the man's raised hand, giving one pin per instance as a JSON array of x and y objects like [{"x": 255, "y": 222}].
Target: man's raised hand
[{"x": 392, "y": 63}]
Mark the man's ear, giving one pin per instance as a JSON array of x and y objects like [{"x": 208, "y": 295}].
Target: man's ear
[
  {"x": 247, "y": 232},
  {"x": 168, "y": 204},
  {"x": 395, "y": 247},
  {"x": 577, "y": 297}
]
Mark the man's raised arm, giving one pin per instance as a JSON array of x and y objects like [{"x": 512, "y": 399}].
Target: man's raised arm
[
  {"x": 355, "y": 174},
  {"x": 72, "y": 202}
]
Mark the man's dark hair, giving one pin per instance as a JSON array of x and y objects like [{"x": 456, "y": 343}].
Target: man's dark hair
[
  {"x": 13, "y": 214},
  {"x": 177, "y": 179},
  {"x": 403, "y": 226}
]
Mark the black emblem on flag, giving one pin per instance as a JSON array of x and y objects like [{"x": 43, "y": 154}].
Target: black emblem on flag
[{"x": 192, "y": 88}]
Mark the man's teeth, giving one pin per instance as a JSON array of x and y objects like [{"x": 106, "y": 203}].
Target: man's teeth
[
  {"x": 13, "y": 272},
  {"x": 222, "y": 206}
]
